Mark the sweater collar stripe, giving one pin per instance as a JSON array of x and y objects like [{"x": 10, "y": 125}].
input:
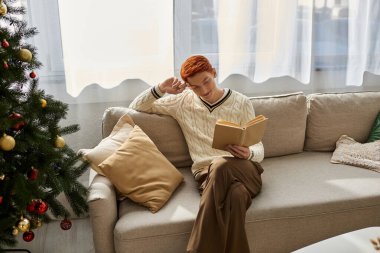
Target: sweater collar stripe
[{"x": 214, "y": 106}]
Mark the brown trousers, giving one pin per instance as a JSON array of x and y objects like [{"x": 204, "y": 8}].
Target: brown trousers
[{"x": 227, "y": 193}]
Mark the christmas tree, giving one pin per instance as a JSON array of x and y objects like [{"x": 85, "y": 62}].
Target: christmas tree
[{"x": 35, "y": 163}]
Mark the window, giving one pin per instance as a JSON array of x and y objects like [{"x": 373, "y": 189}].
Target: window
[{"x": 330, "y": 34}]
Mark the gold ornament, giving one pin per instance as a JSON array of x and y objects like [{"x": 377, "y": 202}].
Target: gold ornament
[
  {"x": 25, "y": 55},
  {"x": 36, "y": 223},
  {"x": 59, "y": 142},
  {"x": 23, "y": 225},
  {"x": 39, "y": 223},
  {"x": 15, "y": 231},
  {"x": 7, "y": 142},
  {"x": 43, "y": 103},
  {"x": 2, "y": 176},
  {"x": 3, "y": 9}
]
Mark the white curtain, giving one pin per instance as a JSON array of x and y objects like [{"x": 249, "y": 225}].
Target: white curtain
[
  {"x": 259, "y": 39},
  {"x": 235, "y": 20},
  {"x": 363, "y": 40},
  {"x": 44, "y": 15},
  {"x": 106, "y": 42},
  {"x": 284, "y": 39},
  {"x": 333, "y": 40}
]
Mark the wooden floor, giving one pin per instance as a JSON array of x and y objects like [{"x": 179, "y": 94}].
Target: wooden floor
[{"x": 50, "y": 238}]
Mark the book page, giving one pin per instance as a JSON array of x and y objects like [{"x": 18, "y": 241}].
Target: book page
[
  {"x": 254, "y": 133},
  {"x": 255, "y": 120},
  {"x": 225, "y": 135},
  {"x": 227, "y": 123},
  {"x": 227, "y": 132}
]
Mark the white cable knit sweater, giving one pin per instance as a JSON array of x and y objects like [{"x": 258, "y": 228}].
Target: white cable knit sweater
[{"x": 197, "y": 120}]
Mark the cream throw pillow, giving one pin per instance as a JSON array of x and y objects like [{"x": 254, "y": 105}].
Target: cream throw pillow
[
  {"x": 350, "y": 152},
  {"x": 109, "y": 144},
  {"x": 141, "y": 172}
]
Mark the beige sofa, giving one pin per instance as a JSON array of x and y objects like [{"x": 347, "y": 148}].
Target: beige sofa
[{"x": 304, "y": 198}]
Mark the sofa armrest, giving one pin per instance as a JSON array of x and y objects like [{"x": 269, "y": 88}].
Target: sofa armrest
[
  {"x": 110, "y": 117},
  {"x": 103, "y": 213}
]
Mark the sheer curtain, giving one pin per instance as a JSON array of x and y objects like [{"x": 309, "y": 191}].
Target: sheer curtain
[
  {"x": 363, "y": 40},
  {"x": 262, "y": 39},
  {"x": 328, "y": 44},
  {"x": 108, "y": 42},
  {"x": 236, "y": 21},
  {"x": 44, "y": 15},
  {"x": 284, "y": 39},
  {"x": 257, "y": 39}
]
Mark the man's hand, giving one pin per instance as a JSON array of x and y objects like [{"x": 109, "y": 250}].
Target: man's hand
[
  {"x": 172, "y": 86},
  {"x": 239, "y": 151}
]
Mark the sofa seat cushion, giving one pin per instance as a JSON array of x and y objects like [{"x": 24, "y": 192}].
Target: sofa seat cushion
[
  {"x": 307, "y": 184},
  {"x": 304, "y": 184},
  {"x": 177, "y": 216}
]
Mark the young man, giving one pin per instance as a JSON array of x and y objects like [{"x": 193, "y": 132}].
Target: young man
[{"x": 228, "y": 179}]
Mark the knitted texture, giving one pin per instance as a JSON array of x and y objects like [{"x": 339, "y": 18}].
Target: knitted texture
[
  {"x": 197, "y": 121},
  {"x": 350, "y": 152}
]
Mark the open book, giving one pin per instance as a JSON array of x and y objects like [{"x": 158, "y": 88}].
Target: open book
[{"x": 230, "y": 133}]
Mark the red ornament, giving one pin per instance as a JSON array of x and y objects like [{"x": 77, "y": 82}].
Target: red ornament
[
  {"x": 1, "y": 199},
  {"x": 32, "y": 74},
  {"x": 41, "y": 207},
  {"x": 5, "y": 65},
  {"x": 32, "y": 206},
  {"x": 18, "y": 125},
  {"x": 15, "y": 115},
  {"x": 66, "y": 224},
  {"x": 32, "y": 173},
  {"x": 5, "y": 43},
  {"x": 28, "y": 236}
]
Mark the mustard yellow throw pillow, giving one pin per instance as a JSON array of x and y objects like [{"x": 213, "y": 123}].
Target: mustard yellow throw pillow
[
  {"x": 141, "y": 172},
  {"x": 110, "y": 144}
]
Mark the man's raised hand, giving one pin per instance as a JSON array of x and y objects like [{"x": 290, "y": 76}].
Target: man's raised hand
[{"x": 172, "y": 86}]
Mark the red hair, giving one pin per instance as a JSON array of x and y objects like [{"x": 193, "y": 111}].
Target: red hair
[{"x": 194, "y": 65}]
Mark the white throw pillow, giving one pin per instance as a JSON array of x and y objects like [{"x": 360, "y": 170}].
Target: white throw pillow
[
  {"x": 110, "y": 144},
  {"x": 350, "y": 152}
]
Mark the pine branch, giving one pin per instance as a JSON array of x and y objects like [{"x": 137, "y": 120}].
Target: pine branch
[
  {"x": 56, "y": 208},
  {"x": 81, "y": 167},
  {"x": 54, "y": 181},
  {"x": 28, "y": 33},
  {"x": 16, "y": 10},
  {"x": 76, "y": 200},
  {"x": 34, "y": 169},
  {"x": 7, "y": 240},
  {"x": 68, "y": 130}
]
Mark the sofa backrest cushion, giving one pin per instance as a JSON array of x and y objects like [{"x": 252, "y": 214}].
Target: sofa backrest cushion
[
  {"x": 285, "y": 133},
  {"x": 163, "y": 130},
  {"x": 331, "y": 115}
]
